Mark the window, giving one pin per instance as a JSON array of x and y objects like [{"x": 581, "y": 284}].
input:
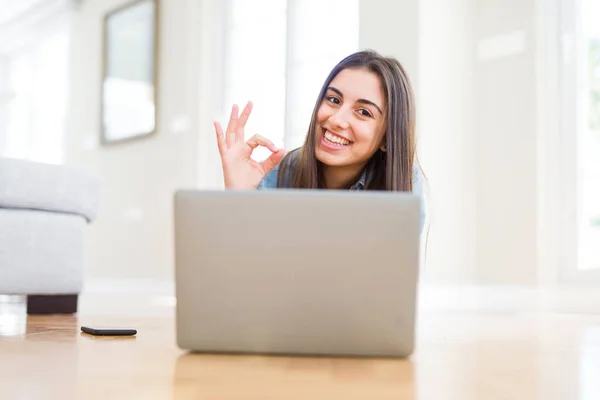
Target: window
[
  {"x": 577, "y": 172},
  {"x": 255, "y": 62},
  {"x": 589, "y": 138},
  {"x": 33, "y": 98},
  {"x": 278, "y": 55}
]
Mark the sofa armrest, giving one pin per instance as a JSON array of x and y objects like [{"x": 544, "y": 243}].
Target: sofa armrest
[{"x": 48, "y": 187}]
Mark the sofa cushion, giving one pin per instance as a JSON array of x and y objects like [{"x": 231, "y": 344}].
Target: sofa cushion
[{"x": 48, "y": 187}]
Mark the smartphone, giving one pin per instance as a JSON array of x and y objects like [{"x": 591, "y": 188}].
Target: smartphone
[{"x": 109, "y": 332}]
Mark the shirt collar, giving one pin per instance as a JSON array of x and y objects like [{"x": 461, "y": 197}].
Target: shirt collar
[{"x": 360, "y": 184}]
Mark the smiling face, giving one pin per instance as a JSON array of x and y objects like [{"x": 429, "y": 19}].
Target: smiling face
[
  {"x": 350, "y": 120},
  {"x": 366, "y": 104}
]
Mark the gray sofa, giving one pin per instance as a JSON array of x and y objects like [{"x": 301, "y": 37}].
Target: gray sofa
[{"x": 44, "y": 212}]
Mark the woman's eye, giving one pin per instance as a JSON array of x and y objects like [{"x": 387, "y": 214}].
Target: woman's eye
[
  {"x": 365, "y": 113},
  {"x": 333, "y": 100}
]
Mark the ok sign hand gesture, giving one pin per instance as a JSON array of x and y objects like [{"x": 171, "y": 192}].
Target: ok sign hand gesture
[{"x": 239, "y": 170}]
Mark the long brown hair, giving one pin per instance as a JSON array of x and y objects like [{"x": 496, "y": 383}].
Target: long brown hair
[{"x": 386, "y": 170}]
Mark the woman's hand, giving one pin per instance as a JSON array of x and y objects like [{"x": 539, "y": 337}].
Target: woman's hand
[{"x": 239, "y": 170}]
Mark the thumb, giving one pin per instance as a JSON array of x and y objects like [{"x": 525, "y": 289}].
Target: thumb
[{"x": 272, "y": 161}]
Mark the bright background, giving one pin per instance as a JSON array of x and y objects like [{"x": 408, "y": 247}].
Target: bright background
[{"x": 508, "y": 96}]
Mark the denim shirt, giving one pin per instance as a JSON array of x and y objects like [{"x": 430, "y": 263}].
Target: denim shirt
[{"x": 270, "y": 182}]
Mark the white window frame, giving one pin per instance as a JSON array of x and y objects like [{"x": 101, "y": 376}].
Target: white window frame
[{"x": 563, "y": 152}]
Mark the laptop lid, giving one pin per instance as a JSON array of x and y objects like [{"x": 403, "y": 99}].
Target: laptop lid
[{"x": 296, "y": 272}]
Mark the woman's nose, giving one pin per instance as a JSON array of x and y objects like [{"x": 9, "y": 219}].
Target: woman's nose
[{"x": 339, "y": 120}]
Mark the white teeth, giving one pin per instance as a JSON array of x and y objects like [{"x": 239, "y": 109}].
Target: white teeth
[{"x": 335, "y": 139}]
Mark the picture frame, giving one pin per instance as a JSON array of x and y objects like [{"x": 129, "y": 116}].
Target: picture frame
[{"x": 129, "y": 100}]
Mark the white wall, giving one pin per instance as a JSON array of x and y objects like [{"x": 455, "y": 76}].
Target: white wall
[
  {"x": 392, "y": 28},
  {"x": 506, "y": 127},
  {"x": 447, "y": 137},
  {"x": 476, "y": 128},
  {"x": 133, "y": 234}
]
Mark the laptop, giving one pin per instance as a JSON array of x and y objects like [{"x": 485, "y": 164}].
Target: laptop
[{"x": 296, "y": 272}]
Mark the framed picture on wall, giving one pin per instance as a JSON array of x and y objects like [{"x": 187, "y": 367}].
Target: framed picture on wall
[{"x": 129, "y": 73}]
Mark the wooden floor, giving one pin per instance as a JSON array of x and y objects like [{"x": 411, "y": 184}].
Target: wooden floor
[{"x": 468, "y": 353}]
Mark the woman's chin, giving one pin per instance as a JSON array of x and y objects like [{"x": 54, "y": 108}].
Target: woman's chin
[{"x": 331, "y": 159}]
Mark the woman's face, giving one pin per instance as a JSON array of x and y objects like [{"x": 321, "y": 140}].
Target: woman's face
[{"x": 350, "y": 120}]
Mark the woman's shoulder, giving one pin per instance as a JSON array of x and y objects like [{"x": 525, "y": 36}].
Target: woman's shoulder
[
  {"x": 288, "y": 165},
  {"x": 270, "y": 179}
]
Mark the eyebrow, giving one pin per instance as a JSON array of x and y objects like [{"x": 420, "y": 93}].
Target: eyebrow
[{"x": 363, "y": 101}]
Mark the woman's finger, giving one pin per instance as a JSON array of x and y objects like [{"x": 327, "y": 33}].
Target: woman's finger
[
  {"x": 258, "y": 140},
  {"x": 220, "y": 139},
  {"x": 241, "y": 123},
  {"x": 231, "y": 126},
  {"x": 272, "y": 161}
]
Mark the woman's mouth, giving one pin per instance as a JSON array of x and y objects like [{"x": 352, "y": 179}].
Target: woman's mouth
[{"x": 334, "y": 141}]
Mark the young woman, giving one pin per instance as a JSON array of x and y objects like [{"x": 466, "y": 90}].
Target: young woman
[{"x": 361, "y": 136}]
